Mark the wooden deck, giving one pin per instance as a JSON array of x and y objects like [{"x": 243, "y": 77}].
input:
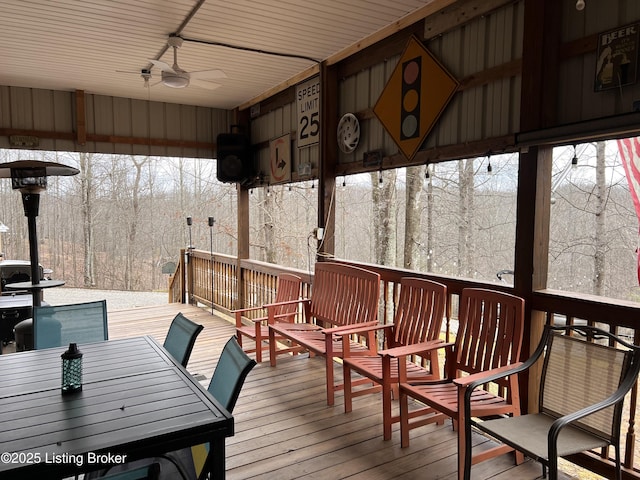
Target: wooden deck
[{"x": 285, "y": 430}]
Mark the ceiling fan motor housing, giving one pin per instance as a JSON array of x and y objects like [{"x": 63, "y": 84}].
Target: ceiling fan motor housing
[{"x": 175, "y": 80}]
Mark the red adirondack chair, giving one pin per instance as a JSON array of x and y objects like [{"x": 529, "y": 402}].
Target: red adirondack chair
[
  {"x": 418, "y": 319},
  {"x": 283, "y": 309},
  {"x": 488, "y": 340}
]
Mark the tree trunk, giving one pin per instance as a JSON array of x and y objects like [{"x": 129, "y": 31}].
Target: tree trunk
[
  {"x": 87, "y": 193},
  {"x": 133, "y": 224},
  {"x": 466, "y": 249},
  {"x": 412, "y": 235},
  {"x": 385, "y": 223},
  {"x": 430, "y": 227},
  {"x": 600, "y": 232}
]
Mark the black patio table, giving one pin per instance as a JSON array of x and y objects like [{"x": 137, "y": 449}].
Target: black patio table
[{"x": 136, "y": 402}]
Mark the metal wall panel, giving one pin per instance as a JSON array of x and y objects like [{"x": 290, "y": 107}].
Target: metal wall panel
[
  {"x": 54, "y": 112},
  {"x": 274, "y": 124},
  {"x": 577, "y": 99},
  {"x": 475, "y": 113}
]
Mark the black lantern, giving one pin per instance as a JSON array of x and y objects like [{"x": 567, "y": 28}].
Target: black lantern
[{"x": 71, "y": 369}]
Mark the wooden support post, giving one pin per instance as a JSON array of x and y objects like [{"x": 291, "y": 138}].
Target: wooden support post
[
  {"x": 542, "y": 35},
  {"x": 81, "y": 118}
]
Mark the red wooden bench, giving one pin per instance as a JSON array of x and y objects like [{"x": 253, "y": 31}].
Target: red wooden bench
[{"x": 342, "y": 296}]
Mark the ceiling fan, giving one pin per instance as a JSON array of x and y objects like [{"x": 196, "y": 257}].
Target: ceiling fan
[{"x": 176, "y": 77}]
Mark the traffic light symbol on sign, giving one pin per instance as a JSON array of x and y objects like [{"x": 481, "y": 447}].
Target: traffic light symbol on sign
[
  {"x": 414, "y": 97},
  {"x": 410, "y": 111}
]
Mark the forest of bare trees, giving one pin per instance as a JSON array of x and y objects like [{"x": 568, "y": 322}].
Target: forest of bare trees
[{"x": 122, "y": 218}]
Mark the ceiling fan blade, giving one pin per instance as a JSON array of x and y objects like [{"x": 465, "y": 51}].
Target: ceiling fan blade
[
  {"x": 207, "y": 74},
  {"x": 162, "y": 66},
  {"x": 202, "y": 83}
]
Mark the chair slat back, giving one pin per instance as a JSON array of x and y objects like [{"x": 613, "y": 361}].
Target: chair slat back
[
  {"x": 344, "y": 295},
  {"x": 490, "y": 330},
  {"x": 288, "y": 289},
  {"x": 420, "y": 311},
  {"x": 59, "y": 325},
  {"x": 577, "y": 374}
]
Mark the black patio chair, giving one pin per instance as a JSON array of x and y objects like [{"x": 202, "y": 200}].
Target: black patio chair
[
  {"x": 582, "y": 390},
  {"x": 193, "y": 462},
  {"x": 59, "y": 325},
  {"x": 181, "y": 337}
]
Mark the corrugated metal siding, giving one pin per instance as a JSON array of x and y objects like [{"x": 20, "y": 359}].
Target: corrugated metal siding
[
  {"x": 577, "y": 99},
  {"x": 475, "y": 113},
  {"x": 274, "y": 124},
  {"x": 484, "y": 111},
  {"x": 54, "y": 111}
]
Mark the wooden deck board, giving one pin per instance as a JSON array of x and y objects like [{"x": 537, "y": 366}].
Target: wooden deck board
[{"x": 285, "y": 430}]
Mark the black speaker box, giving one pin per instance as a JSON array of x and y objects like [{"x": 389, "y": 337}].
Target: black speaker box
[{"x": 235, "y": 162}]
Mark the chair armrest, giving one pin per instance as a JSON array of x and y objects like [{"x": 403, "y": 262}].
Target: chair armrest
[
  {"x": 480, "y": 378},
  {"x": 287, "y": 302},
  {"x": 361, "y": 329},
  {"x": 415, "y": 349},
  {"x": 347, "y": 329},
  {"x": 245, "y": 310}
]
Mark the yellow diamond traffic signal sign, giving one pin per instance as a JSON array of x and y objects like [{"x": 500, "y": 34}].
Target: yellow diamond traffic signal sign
[{"x": 415, "y": 96}]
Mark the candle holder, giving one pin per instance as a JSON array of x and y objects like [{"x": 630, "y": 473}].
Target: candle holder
[{"x": 71, "y": 370}]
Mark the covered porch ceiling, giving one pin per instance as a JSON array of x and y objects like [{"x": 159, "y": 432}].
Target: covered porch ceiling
[{"x": 103, "y": 46}]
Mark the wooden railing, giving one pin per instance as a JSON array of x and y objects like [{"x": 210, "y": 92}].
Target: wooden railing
[{"x": 229, "y": 283}]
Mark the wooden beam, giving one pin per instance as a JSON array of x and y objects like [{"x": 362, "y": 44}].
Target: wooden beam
[
  {"x": 538, "y": 106},
  {"x": 115, "y": 139},
  {"x": 459, "y": 13},
  {"x": 328, "y": 157},
  {"x": 81, "y": 118}
]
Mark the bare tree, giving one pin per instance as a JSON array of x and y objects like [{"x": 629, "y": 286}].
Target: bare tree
[
  {"x": 412, "y": 232},
  {"x": 600, "y": 240},
  {"x": 465, "y": 212},
  {"x": 87, "y": 199},
  {"x": 429, "y": 207},
  {"x": 132, "y": 226},
  {"x": 383, "y": 196}
]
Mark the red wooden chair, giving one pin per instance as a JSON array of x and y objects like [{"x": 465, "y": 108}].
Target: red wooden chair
[
  {"x": 343, "y": 297},
  {"x": 419, "y": 315},
  {"x": 282, "y": 310},
  {"x": 488, "y": 340}
]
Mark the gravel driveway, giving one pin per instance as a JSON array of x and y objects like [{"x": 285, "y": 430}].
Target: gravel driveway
[{"x": 116, "y": 299}]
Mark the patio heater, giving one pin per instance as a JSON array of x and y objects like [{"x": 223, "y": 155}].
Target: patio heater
[{"x": 30, "y": 177}]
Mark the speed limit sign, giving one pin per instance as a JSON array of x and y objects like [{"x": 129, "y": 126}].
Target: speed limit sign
[{"x": 308, "y": 106}]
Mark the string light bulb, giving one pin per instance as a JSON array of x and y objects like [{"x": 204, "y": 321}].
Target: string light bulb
[
  {"x": 427, "y": 175},
  {"x": 580, "y": 5},
  {"x": 574, "y": 160},
  {"x": 489, "y": 167}
]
